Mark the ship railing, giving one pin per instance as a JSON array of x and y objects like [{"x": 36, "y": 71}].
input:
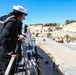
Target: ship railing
[
  {"x": 31, "y": 67},
  {"x": 11, "y": 63}
]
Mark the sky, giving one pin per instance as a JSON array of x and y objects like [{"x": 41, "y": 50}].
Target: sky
[{"x": 42, "y": 11}]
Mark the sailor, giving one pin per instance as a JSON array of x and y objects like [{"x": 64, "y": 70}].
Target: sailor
[{"x": 9, "y": 36}]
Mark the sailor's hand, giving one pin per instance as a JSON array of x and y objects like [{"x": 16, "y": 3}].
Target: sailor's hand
[
  {"x": 15, "y": 55},
  {"x": 21, "y": 37}
]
